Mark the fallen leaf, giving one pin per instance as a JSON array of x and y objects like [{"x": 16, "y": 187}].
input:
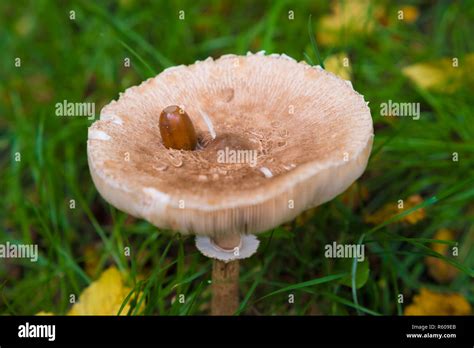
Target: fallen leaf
[
  {"x": 104, "y": 296},
  {"x": 389, "y": 210},
  {"x": 433, "y": 303},
  {"x": 440, "y": 75},
  {"x": 348, "y": 18},
  {"x": 438, "y": 269},
  {"x": 339, "y": 64}
]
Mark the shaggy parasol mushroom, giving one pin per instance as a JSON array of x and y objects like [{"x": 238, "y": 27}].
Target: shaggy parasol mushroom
[{"x": 274, "y": 137}]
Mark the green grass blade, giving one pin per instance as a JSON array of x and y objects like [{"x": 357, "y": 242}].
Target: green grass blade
[
  {"x": 308, "y": 283},
  {"x": 314, "y": 45},
  {"x": 152, "y": 71}
]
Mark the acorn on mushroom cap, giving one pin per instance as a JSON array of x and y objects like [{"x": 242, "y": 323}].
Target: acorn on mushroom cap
[{"x": 177, "y": 129}]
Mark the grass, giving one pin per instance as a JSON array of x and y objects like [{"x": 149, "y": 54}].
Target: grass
[{"x": 82, "y": 60}]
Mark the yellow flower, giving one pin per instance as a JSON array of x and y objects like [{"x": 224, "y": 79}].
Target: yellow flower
[
  {"x": 438, "y": 269},
  {"x": 350, "y": 18},
  {"x": 432, "y": 303},
  {"x": 389, "y": 210},
  {"x": 442, "y": 75},
  {"x": 339, "y": 65},
  {"x": 104, "y": 296}
]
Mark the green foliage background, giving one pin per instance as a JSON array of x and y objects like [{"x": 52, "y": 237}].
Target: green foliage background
[{"x": 82, "y": 60}]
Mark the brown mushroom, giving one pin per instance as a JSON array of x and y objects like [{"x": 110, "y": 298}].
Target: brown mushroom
[{"x": 275, "y": 137}]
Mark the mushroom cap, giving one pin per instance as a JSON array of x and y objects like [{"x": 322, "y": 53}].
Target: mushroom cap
[{"x": 304, "y": 136}]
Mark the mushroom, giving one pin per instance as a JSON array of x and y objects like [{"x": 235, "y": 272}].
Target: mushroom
[{"x": 274, "y": 137}]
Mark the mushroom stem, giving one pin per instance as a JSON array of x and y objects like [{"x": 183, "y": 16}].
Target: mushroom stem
[
  {"x": 225, "y": 287},
  {"x": 225, "y": 278}
]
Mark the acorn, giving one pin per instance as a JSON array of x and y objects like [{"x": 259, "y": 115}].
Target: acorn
[{"x": 177, "y": 129}]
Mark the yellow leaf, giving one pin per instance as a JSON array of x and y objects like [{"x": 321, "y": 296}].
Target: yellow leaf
[
  {"x": 438, "y": 269},
  {"x": 410, "y": 13},
  {"x": 104, "y": 296},
  {"x": 432, "y": 303},
  {"x": 339, "y": 64},
  {"x": 443, "y": 75},
  {"x": 350, "y": 18},
  {"x": 389, "y": 210}
]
